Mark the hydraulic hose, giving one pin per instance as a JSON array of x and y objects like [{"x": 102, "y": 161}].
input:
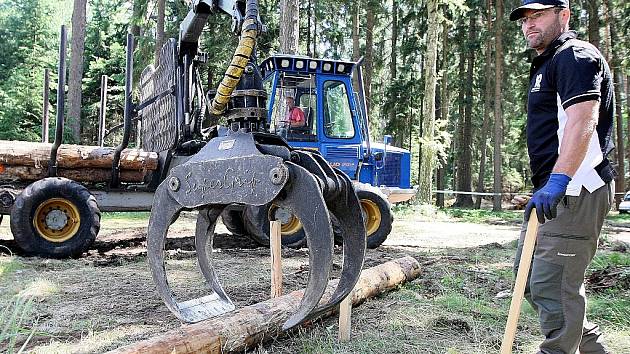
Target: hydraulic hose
[{"x": 244, "y": 51}]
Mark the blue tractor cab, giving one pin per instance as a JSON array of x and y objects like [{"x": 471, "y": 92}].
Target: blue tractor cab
[{"x": 335, "y": 120}]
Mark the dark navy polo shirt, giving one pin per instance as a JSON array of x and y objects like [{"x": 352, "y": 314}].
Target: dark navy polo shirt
[{"x": 570, "y": 71}]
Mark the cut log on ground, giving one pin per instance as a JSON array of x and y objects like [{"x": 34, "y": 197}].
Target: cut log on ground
[
  {"x": 24, "y": 153},
  {"x": 91, "y": 175},
  {"x": 251, "y": 325}
]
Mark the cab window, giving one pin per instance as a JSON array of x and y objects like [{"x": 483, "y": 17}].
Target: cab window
[{"x": 337, "y": 115}]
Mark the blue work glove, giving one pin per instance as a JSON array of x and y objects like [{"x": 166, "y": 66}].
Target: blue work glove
[{"x": 546, "y": 199}]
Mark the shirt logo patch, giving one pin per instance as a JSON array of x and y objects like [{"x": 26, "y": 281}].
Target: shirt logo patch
[{"x": 536, "y": 87}]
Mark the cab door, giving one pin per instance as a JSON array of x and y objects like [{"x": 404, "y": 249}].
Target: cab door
[{"x": 340, "y": 135}]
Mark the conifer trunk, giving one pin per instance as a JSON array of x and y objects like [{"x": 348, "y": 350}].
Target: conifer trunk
[
  {"x": 75, "y": 78},
  {"x": 498, "y": 109}
]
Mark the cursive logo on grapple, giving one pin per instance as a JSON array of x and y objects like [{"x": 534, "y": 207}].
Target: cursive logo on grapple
[{"x": 230, "y": 181}]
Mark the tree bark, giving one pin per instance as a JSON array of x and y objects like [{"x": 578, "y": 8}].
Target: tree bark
[
  {"x": 464, "y": 170},
  {"x": 289, "y": 26},
  {"x": 444, "y": 112},
  {"x": 75, "y": 77},
  {"x": 159, "y": 32},
  {"x": 369, "y": 55},
  {"x": 247, "y": 327},
  {"x": 593, "y": 22},
  {"x": 356, "y": 48},
  {"x": 498, "y": 109},
  {"x": 23, "y": 153},
  {"x": 428, "y": 147},
  {"x": 89, "y": 175},
  {"x": 489, "y": 93},
  {"x": 615, "y": 69},
  {"x": 393, "y": 69}
]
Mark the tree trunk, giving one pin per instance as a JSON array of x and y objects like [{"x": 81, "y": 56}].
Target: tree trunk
[
  {"x": 464, "y": 170},
  {"x": 427, "y": 163},
  {"x": 23, "y": 153},
  {"x": 486, "y": 108},
  {"x": 247, "y": 327},
  {"x": 626, "y": 83},
  {"x": 498, "y": 109},
  {"x": 393, "y": 70},
  {"x": 356, "y": 48},
  {"x": 369, "y": 55},
  {"x": 76, "y": 69},
  {"x": 616, "y": 70},
  {"x": 444, "y": 112},
  {"x": 309, "y": 51},
  {"x": 289, "y": 26},
  {"x": 159, "y": 32},
  {"x": 593, "y": 22}
]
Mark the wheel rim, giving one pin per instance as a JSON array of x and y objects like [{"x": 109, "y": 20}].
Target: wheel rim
[
  {"x": 57, "y": 220},
  {"x": 371, "y": 216},
  {"x": 289, "y": 223}
]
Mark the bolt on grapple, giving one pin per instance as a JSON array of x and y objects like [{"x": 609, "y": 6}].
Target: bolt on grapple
[{"x": 243, "y": 165}]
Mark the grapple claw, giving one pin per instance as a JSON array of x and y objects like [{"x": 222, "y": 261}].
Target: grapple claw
[
  {"x": 165, "y": 211},
  {"x": 314, "y": 217}
]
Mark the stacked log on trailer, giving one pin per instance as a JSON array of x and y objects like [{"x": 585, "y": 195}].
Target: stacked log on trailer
[{"x": 28, "y": 161}]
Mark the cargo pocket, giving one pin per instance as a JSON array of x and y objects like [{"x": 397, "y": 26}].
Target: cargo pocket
[{"x": 546, "y": 294}]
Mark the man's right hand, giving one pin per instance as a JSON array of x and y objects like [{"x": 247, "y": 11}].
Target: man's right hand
[{"x": 546, "y": 199}]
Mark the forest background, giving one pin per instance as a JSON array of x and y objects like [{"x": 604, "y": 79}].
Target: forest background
[{"x": 473, "y": 136}]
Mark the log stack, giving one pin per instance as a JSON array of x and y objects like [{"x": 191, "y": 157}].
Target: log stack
[{"x": 28, "y": 161}]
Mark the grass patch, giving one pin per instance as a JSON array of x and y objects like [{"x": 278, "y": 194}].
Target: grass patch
[
  {"x": 613, "y": 309},
  {"x": 131, "y": 215},
  {"x": 8, "y": 265},
  {"x": 605, "y": 259},
  {"x": 481, "y": 216},
  {"x": 618, "y": 217},
  {"x": 14, "y": 319}
]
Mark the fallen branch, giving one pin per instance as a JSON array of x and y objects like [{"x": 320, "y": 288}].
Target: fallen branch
[{"x": 251, "y": 325}]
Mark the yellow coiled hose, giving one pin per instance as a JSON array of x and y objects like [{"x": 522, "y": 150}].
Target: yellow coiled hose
[{"x": 246, "y": 45}]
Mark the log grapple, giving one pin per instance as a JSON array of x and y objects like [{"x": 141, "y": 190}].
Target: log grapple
[{"x": 243, "y": 165}]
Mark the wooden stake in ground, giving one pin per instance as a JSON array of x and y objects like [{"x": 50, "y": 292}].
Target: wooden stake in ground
[
  {"x": 251, "y": 325},
  {"x": 276, "y": 258},
  {"x": 345, "y": 312},
  {"x": 521, "y": 280}
]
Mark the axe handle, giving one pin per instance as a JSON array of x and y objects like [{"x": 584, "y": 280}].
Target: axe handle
[{"x": 519, "y": 287}]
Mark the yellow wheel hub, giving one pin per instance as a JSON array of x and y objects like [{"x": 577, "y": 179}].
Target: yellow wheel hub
[
  {"x": 289, "y": 223},
  {"x": 57, "y": 220},
  {"x": 371, "y": 216}
]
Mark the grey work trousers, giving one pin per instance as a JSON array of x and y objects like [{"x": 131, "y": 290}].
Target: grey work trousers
[{"x": 565, "y": 247}]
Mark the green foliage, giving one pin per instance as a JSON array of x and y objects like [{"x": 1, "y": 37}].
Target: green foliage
[{"x": 15, "y": 318}]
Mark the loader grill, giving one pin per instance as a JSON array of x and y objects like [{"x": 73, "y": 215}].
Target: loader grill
[
  {"x": 390, "y": 175},
  {"x": 159, "y": 118}
]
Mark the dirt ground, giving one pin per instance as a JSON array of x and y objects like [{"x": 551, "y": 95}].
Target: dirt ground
[{"x": 107, "y": 299}]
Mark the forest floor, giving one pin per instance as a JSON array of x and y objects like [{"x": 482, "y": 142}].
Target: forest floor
[{"x": 107, "y": 299}]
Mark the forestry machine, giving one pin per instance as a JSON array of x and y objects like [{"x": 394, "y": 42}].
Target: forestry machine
[{"x": 240, "y": 164}]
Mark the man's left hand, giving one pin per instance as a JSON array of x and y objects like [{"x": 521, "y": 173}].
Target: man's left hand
[{"x": 546, "y": 199}]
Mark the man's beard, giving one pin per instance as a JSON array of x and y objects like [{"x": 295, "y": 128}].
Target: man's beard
[{"x": 543, "y": 38}]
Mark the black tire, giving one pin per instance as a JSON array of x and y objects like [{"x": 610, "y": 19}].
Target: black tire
[
  {"x": 233, "y": 221},
  {"x": 256, "y": 221},
  {"x": 56, "y": 218},
  {"x": 377, "y": 213}
]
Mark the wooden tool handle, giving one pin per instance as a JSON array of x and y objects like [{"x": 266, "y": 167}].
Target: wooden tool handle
[{"x": 519, "y": 287}]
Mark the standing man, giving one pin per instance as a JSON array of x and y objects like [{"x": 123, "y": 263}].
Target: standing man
[{"x": 569, "y": 134}]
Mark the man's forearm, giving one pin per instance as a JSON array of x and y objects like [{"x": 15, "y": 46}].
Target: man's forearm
[{"x": 581, "y": 123}]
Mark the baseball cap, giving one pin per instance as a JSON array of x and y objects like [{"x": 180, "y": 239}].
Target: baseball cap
[{"x": 536, "y": 5}]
